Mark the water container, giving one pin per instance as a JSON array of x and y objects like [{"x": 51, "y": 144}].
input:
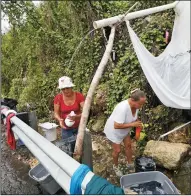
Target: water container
[
  {"x": 49, "y": 130},
  {"x": 43, "y": 177},
  {"x": 144, "y": 164},
  {"x": 130, "y": 180},
  {"x": 67, "y": 145}
]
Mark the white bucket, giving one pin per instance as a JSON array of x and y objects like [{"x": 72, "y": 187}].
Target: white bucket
[{"x": 50, "y": 130}]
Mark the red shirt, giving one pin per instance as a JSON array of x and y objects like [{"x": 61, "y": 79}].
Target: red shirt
[{"x": 65, "y": 109}]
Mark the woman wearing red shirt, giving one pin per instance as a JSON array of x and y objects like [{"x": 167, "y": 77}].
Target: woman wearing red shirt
[{"x": 65, "y": 102}]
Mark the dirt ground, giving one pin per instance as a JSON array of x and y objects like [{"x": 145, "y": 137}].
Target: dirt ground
[{"x": 16, "y": 164}]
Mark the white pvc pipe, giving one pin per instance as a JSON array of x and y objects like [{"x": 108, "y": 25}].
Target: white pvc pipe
[
  {"x": 113, "y": 20},
  {"x": 68, "y": 164},
  {"x": 175, "y": 129},
  {"x": 56, "y": 172},
  {"x": 107, "y": 22},
  {"x": 64, "y": 161},
  {"x": 149, "y": 11}
]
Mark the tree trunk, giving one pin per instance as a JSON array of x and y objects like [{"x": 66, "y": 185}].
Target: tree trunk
[{"x": 94, "y": 84}]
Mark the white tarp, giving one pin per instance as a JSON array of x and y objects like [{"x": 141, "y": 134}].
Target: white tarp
[{"x": 169, "y": 73}]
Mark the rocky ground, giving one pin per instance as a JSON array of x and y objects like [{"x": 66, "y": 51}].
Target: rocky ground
[
  {"x": 102, "y": 159},
  {"x": 102, "y": 162},
  {"x": 14, "y": 171},
  {"x": 16, "y": 164}
]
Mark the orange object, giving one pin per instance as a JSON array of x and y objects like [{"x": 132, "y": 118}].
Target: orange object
[{"x": 137, "y": 132}]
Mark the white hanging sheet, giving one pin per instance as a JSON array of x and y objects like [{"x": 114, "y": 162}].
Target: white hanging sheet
[{"x": 169, "y": 73}]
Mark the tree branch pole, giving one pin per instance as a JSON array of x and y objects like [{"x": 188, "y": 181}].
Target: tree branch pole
[{"x": 93, "y": 85}]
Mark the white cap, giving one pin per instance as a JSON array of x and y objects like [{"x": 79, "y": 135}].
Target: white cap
[{"x": 65, "y": 82}]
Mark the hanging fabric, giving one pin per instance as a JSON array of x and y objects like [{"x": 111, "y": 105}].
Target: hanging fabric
[{"x": 169, "y": 73}]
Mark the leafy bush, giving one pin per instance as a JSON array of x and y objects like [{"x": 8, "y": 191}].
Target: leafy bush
[{"x": 39, "y": 47}]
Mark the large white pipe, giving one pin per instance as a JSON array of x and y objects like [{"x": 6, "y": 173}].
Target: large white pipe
[
  {"x": 50, "y": 149},
  {"x": 108, "y": 21},
  {"x": 113, "y": 20},
  {"x": 149, "y": 11},
  {"x": 64, "y": 161},
  {"x": 56, "y": 172}
]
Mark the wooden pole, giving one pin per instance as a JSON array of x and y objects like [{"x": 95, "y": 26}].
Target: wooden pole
[{"x": 93, "y": 85}]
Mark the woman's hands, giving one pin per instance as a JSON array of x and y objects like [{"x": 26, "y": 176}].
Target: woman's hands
[
  {"x": 61, "y": 123},
  {"x": 73, "y": 118}
]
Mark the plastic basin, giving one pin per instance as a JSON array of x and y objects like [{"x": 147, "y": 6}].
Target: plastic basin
[
  {"x": 43, "y": 177},
  {"x": 143, "y": 177}
]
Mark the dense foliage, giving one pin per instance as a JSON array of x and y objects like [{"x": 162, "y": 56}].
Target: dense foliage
[{"x": 39, "y": 47}]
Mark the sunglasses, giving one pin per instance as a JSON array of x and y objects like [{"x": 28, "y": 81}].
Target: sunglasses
[{"x": 133, "y": 91}]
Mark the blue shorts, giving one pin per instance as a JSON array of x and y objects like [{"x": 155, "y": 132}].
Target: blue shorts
[{"x": 66, "y": 133}]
